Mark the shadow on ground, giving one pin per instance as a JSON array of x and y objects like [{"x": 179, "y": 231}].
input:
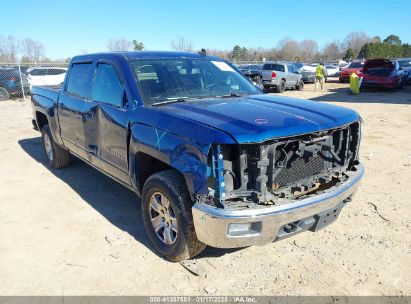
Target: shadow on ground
[
  {"x": 400, "y": 96},
  {"x": 117, "y": 204}
]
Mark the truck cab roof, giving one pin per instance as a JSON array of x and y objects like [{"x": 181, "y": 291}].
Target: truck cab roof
[{"x": 144, "y": 55}]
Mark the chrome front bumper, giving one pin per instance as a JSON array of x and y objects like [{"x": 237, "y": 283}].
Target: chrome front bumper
[{"x": 268, "y": 224}]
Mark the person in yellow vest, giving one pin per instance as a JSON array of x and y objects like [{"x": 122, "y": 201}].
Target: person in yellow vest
[{"x": 320, "y": 76}]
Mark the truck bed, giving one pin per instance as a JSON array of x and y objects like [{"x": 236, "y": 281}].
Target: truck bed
[{"x": 50, "y": 92}]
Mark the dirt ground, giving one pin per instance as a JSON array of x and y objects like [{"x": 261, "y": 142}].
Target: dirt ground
[{"x": 77, "y": 232}]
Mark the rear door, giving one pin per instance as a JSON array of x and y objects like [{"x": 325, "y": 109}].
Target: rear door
[
  {"x": 291, "y": 75},
  {"x": 106, "y": 125},
  {"x": 74, "y": 105}
]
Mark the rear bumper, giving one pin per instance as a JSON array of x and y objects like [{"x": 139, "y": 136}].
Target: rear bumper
[
  {"x": 273, "y": 82},
  {"x": 17, "y": 91},
  {"x": 379, "y": 84},
  {"x": 272, "y": 223}
]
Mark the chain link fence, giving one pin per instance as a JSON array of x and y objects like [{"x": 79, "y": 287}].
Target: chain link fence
[{"x": 16, "y": 80}]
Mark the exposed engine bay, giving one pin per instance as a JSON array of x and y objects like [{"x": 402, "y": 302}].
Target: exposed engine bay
[{"x": 281, "y": 170}]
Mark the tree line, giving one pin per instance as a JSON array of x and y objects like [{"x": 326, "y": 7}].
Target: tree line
[
  {"x": 26, "y": 51},
  {"x": 356, "y": 45}
]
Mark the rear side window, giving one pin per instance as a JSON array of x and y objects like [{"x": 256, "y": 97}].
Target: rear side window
[
  {"x": 38, "y": 72},
  {"x": 81, "y": 77},
  {"x": 274, "y": 67},
  {"x": 107, "y": 86}
]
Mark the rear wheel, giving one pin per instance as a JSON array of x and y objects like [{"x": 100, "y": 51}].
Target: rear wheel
[
  {"x": 4, "y": 94},
  {"x": 281, "y": 87},
  {"x": 300, "y": 85},
  {"x": 166, "y": 210},
  {"x": 401, "y": 84},
  {"x": 57, "y": 156}
]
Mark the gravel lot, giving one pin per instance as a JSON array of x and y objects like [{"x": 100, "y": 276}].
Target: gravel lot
[{"x": 77, "y": 232}]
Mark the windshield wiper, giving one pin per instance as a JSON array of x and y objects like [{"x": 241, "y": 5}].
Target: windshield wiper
[
  {"x": 176, "y": 99},
  {"x": 170, "y": 100},
  {"x": 232, "y": 94}
]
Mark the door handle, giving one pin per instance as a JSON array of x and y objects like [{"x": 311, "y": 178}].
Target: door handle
[{"x": 93, "y": 149}]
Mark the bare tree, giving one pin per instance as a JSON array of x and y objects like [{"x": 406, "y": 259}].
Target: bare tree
[
  {"x": 355, "y": 41},
  {"x": 308, "y": 49},
  {"x": 332, "y": 51},
  {"x": 122, "y": 44},
  {"x": 181, "y": 45},
  {"x": 288, "y": 49},
  {"x": 33, "y": 50},
  {"x": 9, "y": 47},
  {"x": 219, "y": 53}
]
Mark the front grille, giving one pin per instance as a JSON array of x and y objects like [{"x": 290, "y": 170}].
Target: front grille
[{"x": 299, "y": 169}]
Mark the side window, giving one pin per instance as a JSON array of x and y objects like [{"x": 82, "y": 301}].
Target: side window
[
  {"x": 38, "y": 72},
  {"x": 81, "y": 77},
  {"x": 107, "y": 87},
  {"x": 55, "y": 71}
]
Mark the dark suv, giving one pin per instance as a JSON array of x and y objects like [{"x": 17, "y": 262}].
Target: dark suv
[{"x": 10, "y": 84}]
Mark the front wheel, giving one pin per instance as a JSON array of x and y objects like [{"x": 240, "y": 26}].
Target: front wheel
[
  {"x": 4, "y": 94},
  {"x": 166, "y": 211},
  {"x": 300, "y": 85}
]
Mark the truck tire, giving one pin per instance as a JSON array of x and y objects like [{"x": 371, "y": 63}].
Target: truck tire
[
  {"x": 281, "y": 87},
  {"x": 300, "y": 85},
  {"x": 57, "y": 156},
  {"x": 4, "y": 94},
  {"x": 166, "y": 211}
]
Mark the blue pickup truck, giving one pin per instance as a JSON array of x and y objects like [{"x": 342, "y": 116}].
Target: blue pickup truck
[{"x": 214, "y": 160}]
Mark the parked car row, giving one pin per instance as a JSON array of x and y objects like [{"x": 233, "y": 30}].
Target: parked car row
[
  {"x": 11, "y": 84},
  {"x": 405, "y": 64},
  {"x": 16, "y": 79},
  {"x": 252, "y": 71},
  {"x": 382, "y": 73},
  {"x": 280, "y": 76},
  {"x": 353, "y": 67}
]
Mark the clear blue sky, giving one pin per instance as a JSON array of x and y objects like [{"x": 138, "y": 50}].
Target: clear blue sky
[{"x": 66, "y": 27}]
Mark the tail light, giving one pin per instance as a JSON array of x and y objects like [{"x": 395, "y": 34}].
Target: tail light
[
  {"x": 12, "y": 78},
  {"x": 273, "y": 74}
]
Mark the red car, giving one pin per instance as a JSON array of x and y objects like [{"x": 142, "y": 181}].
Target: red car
[
  {"x": 353, "y": 67},
  {"x": 382, "y": 73}
]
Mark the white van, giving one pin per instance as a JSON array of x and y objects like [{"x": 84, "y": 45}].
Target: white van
[{"x": 39, "y": 76}]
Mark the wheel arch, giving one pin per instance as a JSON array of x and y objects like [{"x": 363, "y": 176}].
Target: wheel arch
[{"x": 172, "y": 152}]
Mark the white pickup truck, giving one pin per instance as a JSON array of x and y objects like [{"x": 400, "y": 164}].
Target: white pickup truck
[{"x": 281, "y": 76}]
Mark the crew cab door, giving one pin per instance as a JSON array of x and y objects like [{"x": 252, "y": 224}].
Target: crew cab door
[
  {"x": 291, "y": 76},
  {"x": 108, "y": 125},
  {"x": 74, "y": 105}
]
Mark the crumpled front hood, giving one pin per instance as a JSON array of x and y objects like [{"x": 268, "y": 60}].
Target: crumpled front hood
[{"x": 260, "y": 117}]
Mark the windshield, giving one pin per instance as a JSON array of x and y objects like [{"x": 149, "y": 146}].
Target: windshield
[
  {"x": 355, "y": 65},
  {"x": 274, "y": 67},
  {"x": 164, "y": 80}
]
